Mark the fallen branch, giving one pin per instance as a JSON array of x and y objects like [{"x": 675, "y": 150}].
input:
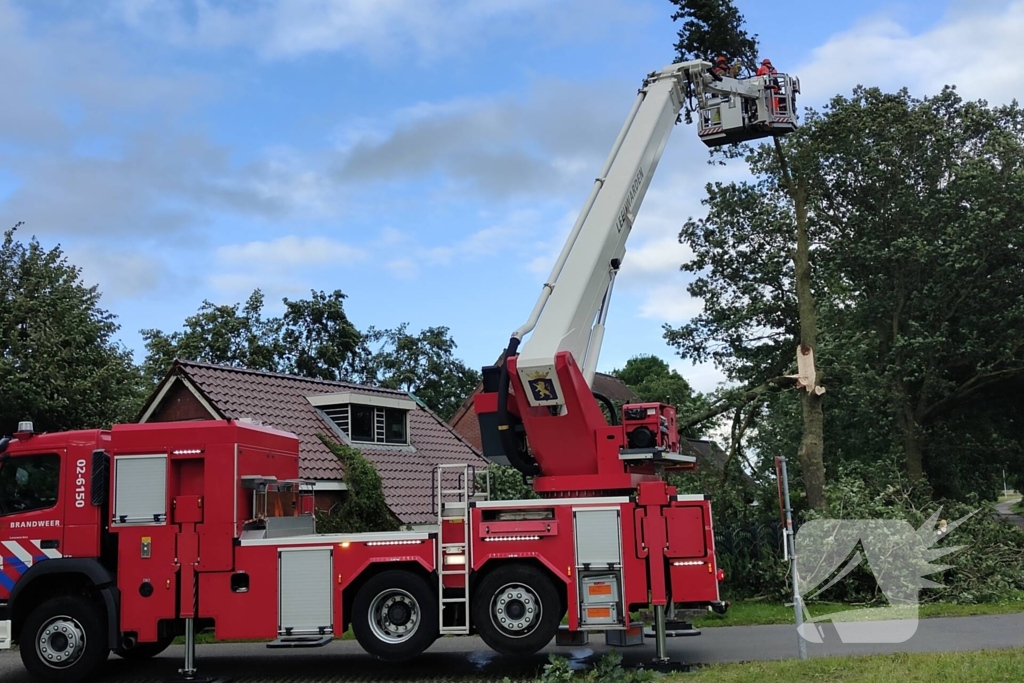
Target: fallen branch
[{"x": 737, "y": 399}]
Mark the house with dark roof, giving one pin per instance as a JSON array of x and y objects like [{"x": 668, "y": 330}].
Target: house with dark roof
[
  {"x": 468, "y": 427},
  {"x": 402, "y": 437}
]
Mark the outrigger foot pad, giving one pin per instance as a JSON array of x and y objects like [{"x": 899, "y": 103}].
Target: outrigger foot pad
[{"x": 196, "y": 678}]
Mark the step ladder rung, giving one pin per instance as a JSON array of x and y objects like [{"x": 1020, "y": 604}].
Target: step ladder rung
[{"x": 453, "y": 505}]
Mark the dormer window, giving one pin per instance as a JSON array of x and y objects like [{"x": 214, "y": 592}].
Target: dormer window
[{"x": 367, "y": 418}]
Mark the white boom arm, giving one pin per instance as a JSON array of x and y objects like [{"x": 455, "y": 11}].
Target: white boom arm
[{"x": 571, "y": 311}]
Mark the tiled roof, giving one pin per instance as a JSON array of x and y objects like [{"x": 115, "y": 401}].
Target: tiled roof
[
  {"x": 613, "y": 387},
  {"x": 280, "y": 401}
]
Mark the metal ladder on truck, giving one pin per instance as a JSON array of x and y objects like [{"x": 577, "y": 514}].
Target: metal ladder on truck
[{"x": 455, "y": 487}]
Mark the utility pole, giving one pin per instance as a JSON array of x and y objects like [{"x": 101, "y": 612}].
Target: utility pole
[{"x": 790, "y": 552}]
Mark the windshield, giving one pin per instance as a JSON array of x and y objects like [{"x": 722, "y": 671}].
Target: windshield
[{"x": 29, "y": 482}]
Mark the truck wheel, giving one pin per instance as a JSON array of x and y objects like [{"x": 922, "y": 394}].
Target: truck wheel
[
  {"x": 394, "y": 616},
  {"x": 142, "y": 651},
  {"x": 64, "y": 639},
  {"x": 517, "y": 610}
]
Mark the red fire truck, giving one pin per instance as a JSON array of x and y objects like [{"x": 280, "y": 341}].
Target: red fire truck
[{"x": 122, "y": 539}]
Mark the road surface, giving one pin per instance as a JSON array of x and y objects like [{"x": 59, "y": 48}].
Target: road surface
[
  {"x": 467, "y": 659},
  {"x": 1007, "y": 513}
]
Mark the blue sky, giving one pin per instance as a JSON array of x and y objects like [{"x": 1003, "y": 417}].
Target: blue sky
[{"x": 425, "y": 157}]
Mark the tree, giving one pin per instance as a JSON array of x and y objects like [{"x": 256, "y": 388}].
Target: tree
[
  {"x": 913, "y": 223},
  {"x": 924, "y": 261},
  {"x": 220, "y": 334},
  {"x": 711, "y": 28},
  {"x": 423, "y": 364},
  {"x": 59, "y": 364},
  {"x": 652, "y": 380},
  {"x": 318, "y": 339},
  {"x": 364, "y": 507},
  {"x": 715, "y": 27},
  {"x": 507, "y": 483},
  {"x": 313, "y": 338}
]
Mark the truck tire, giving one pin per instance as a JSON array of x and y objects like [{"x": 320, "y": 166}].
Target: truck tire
[
  {"x": 143, "y": 651},
  {"x": 394, "y": 615},
  {"x": 64, "y": 640},
  {"x": 517, "y": 609}
]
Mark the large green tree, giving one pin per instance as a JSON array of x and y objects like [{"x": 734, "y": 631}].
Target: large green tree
[
  {"x": 913, "y": 220},
  {"x": 714, "y": 27},
  {"x": 313, "y": 338},
  {"x": 318, "y": 338},
  {"x": 59, "y": 363},
  {"x": 923, "y": 201},
  {"x": 236, "y": 335},
  {"x": 423, "y": 364},
  {"x": 711, "y": 28}
]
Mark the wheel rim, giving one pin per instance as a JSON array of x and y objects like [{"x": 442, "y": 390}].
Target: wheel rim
[
  {"x": 394, "y": 616},
  {"x": 61, "y": 642},
  {"x": 515, "y": 610}
]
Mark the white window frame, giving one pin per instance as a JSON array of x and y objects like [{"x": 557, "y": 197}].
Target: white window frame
[{"x": 341, "y": 417}]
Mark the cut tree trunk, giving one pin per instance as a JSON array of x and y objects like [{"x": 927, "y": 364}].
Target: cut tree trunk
[
  {"x": 812, "y": 443},
  {"x": 812, "y": 449},
  {"x": 913, "y": 451}
]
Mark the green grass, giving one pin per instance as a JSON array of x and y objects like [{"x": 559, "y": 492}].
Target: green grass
[
  {"x": 989, "y": 666},
  {"x": 1012, "y": 496},
  {"x": 749, "y": 613},
  {"x": 1019, "y": 507}
]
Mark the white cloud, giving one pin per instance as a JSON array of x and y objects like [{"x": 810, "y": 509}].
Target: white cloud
[
  {"x": 120, "y": 273},
  {"x": 386, "y": 31},
  {"x": 545, "y": 142},
  {"x": 402, "y": 268},
  {"x": 978, "y": 50},
  {"x": 704, "y": 377},
  {"x": 232, "y": 287},
  {"x": 62, "y": 81},
  {"x": 513, "y": 235},
  {"x": 290, "y": 251},
  {"x": 280, "y": 267},
  {"x": 670, "y": 303}
]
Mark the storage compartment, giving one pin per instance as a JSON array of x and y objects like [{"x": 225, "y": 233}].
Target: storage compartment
[
  {"x": 602, "y": 588},
  {"x": 598, "y": 542},
  {"x": 306, "y": 604},
  {"x": 686, "y": 532},
  {"x": 140, "y": 489},
  {"x": 600, "y": 614}
]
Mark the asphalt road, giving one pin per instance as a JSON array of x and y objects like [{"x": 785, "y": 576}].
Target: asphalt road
[
  {"x": 1006, "y": 510},
  {"x": 467, "y": 659}
]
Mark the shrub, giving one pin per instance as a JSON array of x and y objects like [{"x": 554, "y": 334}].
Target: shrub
[
  {"x": 607, "y": 670},
  {"x": 989, "y": 567},
  {"x": 507, "y": 483},
  {"x": 364, "y": 507}
]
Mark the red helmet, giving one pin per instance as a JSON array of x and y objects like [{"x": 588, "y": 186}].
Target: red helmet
[
  {"x": 767, "y": 62},
  {"x": 721, "y": 58}
]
